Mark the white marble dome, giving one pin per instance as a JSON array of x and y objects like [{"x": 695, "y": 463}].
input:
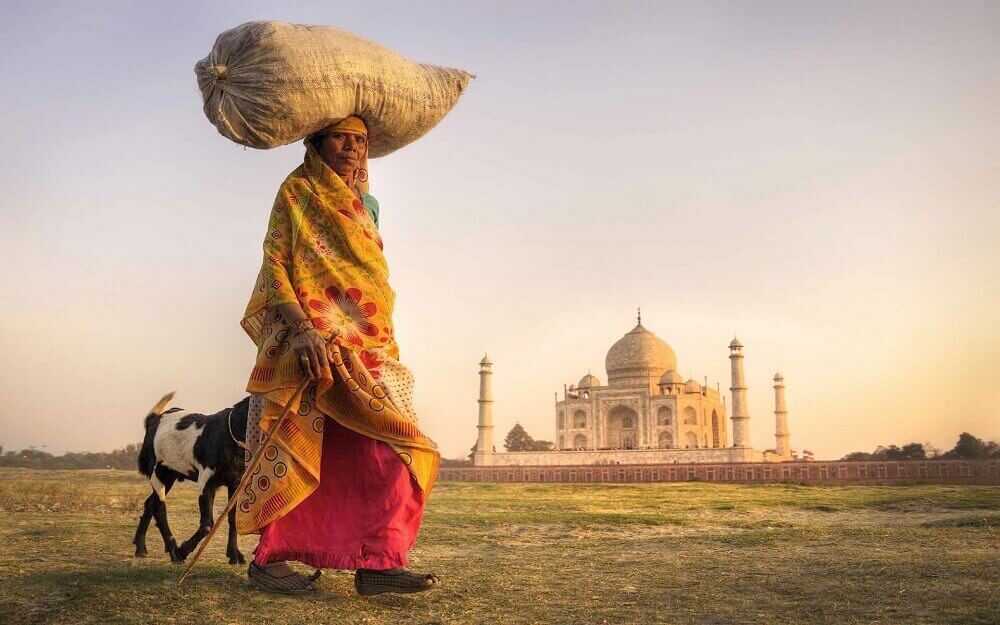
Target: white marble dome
[
  {"x": 638, "y": 354},
  {"x": 589, "y": 381},
  {"x": 671, "y": 377}
]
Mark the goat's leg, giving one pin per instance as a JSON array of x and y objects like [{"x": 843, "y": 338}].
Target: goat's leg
[
  {"x": 233, "y": 547},
  {"x": 162, "y": 482},
  {"x": 205, "y": 501},
  {"x": 140, "y": 533}
]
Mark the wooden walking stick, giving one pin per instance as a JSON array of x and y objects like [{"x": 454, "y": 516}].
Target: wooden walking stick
[{"x": 247, "y": 475}]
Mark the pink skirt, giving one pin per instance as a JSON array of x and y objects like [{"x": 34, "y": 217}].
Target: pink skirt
[{"x": 365, "y": 513}]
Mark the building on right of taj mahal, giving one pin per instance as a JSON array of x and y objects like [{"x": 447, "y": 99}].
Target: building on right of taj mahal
[{"x": 646, "y": 414}]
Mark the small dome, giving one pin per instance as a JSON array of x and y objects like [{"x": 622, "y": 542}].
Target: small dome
[
  {"x": 778, "y": 377},
  {"x": 485, "y": 360},
  {"x": 572, "y": 387},
  {"x": 589, "y": 381},
  {"x": 693, "y": 386},
  {"x": 735, "y": 344},
  {"x": 671, "y": 377}
]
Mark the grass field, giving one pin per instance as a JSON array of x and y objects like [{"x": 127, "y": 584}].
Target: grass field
[{"x": 531, "y": 553}]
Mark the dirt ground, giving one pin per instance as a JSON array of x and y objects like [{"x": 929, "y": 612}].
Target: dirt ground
[{"x": 688, "y": 553}]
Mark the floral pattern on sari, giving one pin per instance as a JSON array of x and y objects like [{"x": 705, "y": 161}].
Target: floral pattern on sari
[{"x": 346, "y": 313}]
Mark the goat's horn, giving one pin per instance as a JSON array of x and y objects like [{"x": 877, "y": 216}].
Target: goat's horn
[{"x": 162, "y": 404}]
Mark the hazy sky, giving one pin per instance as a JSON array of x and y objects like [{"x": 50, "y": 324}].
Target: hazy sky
[{"x": 822, "y": 179}]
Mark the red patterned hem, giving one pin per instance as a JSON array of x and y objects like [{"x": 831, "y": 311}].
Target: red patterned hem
[{"x": 341, "y": 561}]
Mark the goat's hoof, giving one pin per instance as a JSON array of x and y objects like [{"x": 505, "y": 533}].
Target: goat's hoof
[
  {"x": 237, "y": 558},
  {"x": 140, "y": 552}
]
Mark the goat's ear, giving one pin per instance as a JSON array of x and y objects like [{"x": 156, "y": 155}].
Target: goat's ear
[{"x": 162, "y": 404}]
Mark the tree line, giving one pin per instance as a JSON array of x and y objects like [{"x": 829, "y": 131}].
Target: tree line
[
  {"x": 968, "y": 447},
  {"x": 124, "y": 458}
]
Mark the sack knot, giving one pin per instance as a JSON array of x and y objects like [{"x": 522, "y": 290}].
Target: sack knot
[{"x": 218, "y": 72}]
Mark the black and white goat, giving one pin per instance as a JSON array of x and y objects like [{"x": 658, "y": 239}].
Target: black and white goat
[{"x": 181, "y": 445}]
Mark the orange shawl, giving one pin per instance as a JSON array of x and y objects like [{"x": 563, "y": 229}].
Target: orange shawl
[{"x": 323, "y": 251}]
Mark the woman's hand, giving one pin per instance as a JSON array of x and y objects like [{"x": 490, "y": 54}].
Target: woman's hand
[{"x": 312, "y": 351}]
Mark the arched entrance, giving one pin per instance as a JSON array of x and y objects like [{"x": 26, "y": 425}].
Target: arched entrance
[
  {"x": 621, "y": 428},
  {"x": 580, "y": 441},
  {"x": 690, "y": 416},
  {"x": 664, "y": 416},
  {"x": 665, "y": 440}
]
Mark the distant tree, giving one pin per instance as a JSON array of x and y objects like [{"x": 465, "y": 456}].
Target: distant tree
[
  {"x": 914, "y": 451},
  {"x": 968, "y": 446},
  {"x": 517, "y": 439},
  {"x": 857, "y": 456},
  {"x": 992, "y": 449},
  {"x": 541, "y": 446},
  {"x": 36, "y": 458},
  {"x": 123, "y": 458},
  {"x": 892, "y": 452}
]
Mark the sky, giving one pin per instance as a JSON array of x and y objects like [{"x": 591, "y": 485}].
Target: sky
[{"x": 820, "y": 179}]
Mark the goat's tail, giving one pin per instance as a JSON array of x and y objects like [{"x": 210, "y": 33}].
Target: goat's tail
[{"x": 147, "y": 455}]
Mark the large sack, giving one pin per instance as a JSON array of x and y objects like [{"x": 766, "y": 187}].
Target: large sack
[{"x": 267, "y": 84}]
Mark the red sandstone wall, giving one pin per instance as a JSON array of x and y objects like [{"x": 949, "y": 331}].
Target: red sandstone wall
[{"x": 947, "y": 471}]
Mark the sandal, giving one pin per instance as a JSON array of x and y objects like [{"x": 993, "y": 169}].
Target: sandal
[
  {"x": 370, "y": 582},
  {"x": 292, "y": 584}
]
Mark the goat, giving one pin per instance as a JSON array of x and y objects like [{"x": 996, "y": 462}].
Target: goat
[{"x": 181, "y": 445}]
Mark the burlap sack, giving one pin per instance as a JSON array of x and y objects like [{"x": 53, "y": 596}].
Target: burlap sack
[{"x": 267, "y": 84}]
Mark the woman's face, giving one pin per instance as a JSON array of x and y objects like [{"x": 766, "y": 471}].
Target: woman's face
[{"x": 343, "y": 151}]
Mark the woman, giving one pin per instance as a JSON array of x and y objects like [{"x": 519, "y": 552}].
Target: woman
[{"x": 344, "y": 482}]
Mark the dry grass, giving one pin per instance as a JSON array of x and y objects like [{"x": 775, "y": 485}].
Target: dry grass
[{"x": 530, "y": 553}]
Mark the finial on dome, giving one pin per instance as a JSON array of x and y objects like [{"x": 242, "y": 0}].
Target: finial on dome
[{"x": 639, "y": 315}]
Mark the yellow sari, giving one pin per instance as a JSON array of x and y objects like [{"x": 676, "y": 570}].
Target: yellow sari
[{"x": 323, "y": 251}]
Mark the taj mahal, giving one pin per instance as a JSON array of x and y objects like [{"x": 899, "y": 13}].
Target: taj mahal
[{"x": 646, "y": 414}]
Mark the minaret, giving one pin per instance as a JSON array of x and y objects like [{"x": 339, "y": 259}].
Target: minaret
[
  {"x": 781, "y": 445},
  {"x": 484, "y": 444},
  {"x": 741, "y": 420}
]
